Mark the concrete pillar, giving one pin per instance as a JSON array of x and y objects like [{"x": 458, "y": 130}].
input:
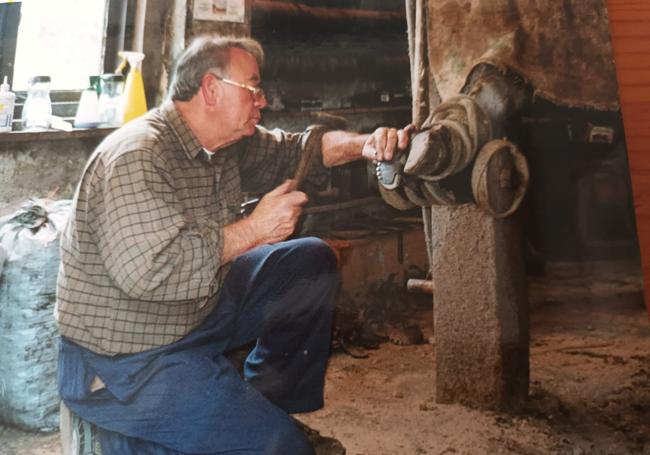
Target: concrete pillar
[{"x": 480, "y": 308}]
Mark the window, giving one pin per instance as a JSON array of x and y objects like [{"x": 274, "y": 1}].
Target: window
[
  {"x": 63, "y": 39},
  {"x": 68, "y": 40}
]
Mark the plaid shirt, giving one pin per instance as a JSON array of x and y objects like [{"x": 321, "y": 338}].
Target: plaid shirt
[{"x": 140, "y": 256}]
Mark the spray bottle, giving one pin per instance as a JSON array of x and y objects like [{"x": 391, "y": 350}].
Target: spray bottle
[
  {"x": 134, "y": 103},
  {"x": 7, "y": 100}
]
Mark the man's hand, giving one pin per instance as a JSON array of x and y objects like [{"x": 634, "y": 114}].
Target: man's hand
[
  {"x": 275, "y": 217},
  {"x": 383, "y": 142}
]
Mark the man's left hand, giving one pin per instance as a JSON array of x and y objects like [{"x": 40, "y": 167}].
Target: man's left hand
[{"x": 383, "y": 142}]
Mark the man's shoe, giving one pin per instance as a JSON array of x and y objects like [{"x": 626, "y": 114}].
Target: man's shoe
[{"x": 323, "y": 445}]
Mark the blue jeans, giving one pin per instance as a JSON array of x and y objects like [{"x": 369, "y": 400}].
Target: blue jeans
[{"x": 188, "y": 398}]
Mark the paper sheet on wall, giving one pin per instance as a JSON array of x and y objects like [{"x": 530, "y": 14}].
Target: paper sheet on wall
[{"x": 220, "y": 10}]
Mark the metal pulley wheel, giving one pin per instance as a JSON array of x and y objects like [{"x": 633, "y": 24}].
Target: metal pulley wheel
[
  {"x": 396, "y": 198},
  {"x": 390, "y": 180},
  {"x": 414, "y": 193},
  {"x": 449, "y": 140},
  {"x": 398, "y": 190},
  {"x": 499, "y": 178},
  {"x": 436, "y": 195}
]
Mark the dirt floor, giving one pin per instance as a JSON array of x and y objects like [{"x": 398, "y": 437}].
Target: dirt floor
[{"x": 589, "y": 390}]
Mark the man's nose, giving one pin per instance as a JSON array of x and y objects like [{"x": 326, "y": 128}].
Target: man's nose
[{"x": 260, "y": 102}]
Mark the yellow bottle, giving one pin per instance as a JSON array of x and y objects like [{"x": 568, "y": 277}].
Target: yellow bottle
[{"x": 134, "y": 103}]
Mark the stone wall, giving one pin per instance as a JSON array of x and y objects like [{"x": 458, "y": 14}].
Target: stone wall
[{"x": 33, "y": 165}]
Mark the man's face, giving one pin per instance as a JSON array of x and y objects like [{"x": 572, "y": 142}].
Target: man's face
[{"x": 241, "y": 107}]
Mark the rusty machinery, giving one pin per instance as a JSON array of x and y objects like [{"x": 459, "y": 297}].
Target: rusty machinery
[{"x": 460, "y": 154}]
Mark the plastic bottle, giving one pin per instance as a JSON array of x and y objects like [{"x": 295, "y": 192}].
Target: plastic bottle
[
  {"x": 37, "y": 111},
  {"x": 7, "y": 101},
  {"x": 134, "y": 103},
  {"x": 110, "y": 99},
  {"x": 87, "y": 110}
]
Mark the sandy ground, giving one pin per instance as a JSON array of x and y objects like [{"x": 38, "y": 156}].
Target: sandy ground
[{"x": 589, "y": 391}]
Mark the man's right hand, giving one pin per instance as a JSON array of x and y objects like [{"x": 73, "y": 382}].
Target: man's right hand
[{"x": 275, "y": 217}]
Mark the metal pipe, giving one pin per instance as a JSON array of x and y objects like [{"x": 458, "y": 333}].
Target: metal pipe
[
  {"x": 140, "y": 14},
  {"x": 363, "y": 202},
  {"x": 121, "y": 26},
  {"x": 416, "y": 285},
  {"x": 272, "y": 10},
  {"x": 336, "y": 64},
  {"x": 248, "y": 206}
]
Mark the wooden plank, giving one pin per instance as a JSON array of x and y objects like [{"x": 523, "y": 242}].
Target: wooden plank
[{"x": 630, "y": 29}]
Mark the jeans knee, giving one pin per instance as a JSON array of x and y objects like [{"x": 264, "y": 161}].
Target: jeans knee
[{"x": 314, "y": 253}]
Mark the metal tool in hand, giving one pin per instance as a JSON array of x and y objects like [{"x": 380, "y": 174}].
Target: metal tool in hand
[{"x": 314, "y": 138}]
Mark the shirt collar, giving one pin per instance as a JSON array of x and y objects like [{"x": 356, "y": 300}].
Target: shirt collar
[{"x": 185, "y": 136}]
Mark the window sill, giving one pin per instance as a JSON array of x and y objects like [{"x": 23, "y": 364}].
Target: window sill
[{"x": 53, "y": 135}]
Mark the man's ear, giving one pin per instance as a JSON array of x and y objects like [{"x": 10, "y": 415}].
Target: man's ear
[{"x": 210, "y": 90}]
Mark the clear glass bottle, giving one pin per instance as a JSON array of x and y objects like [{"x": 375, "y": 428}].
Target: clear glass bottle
[
  {"x": 37, "y": 111},
  {"x": 111, "y": 87}
]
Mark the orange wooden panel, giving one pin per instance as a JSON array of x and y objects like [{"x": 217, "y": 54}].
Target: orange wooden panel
[
  {"x": 638, "y": 43},
  {"x": 634, "y": 76},
  {"x": 630, "y": 28}
]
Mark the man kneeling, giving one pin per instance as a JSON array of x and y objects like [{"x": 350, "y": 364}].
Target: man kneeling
[{"x": 160, "y": 276}]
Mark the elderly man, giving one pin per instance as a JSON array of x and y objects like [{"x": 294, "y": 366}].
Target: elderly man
[{"x": 160, "y": 275}]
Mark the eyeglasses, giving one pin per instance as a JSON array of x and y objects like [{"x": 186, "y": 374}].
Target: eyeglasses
[{"x": 257, "y": 92}]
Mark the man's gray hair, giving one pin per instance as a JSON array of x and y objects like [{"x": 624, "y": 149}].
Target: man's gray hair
[{"x": 203, "y": 54}]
